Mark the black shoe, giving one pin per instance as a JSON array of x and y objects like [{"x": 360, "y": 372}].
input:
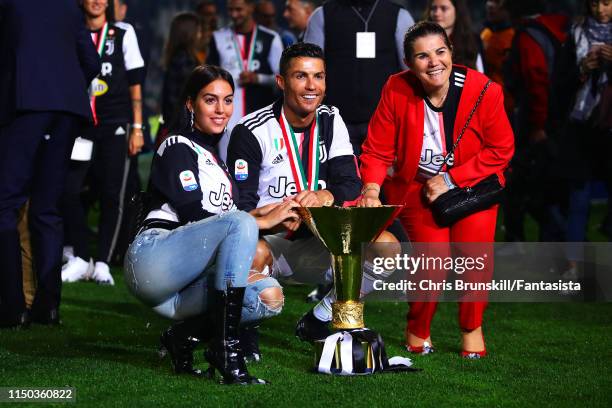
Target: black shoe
[
  {"x": 47, "y": 317},
  {"x": 180, "y": 349},
  {"x": 310, "y": 329},
  {"x": 225, "y": 352},
  {"x": 18, "y": 321},
  {"x": 249, "y": 339}
]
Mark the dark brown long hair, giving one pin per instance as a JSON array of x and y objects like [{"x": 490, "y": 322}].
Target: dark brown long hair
[
  {"x": 183, "y": 36},
  {"x": 465, "y": 47}
]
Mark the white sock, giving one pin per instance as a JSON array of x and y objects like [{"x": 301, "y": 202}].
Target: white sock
[{"x": 323, "y": 310}]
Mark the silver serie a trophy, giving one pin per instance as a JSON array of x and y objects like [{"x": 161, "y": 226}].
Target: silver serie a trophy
[{"x": 353, "y": 349}]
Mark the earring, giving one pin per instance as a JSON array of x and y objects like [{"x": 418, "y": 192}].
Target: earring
[{"x": 192, "y": 116}]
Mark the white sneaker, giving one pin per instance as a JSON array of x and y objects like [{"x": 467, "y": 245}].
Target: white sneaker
[
  {"x": 102, "y": 275},
  {"x": 76, "y": 269},
  {"x": 67, "y": 253}
]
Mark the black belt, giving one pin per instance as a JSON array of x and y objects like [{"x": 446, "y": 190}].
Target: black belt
[{"x": 158, "y": 223}]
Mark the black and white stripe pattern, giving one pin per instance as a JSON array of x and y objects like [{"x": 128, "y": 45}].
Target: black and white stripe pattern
[
  {"x": 459, "y": 79},
  {"x": 324, "y": 109},
  {"x": 258, "y": 119}
]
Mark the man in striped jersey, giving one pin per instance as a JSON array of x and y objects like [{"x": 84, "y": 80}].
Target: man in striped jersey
[{"x": 296, "y": 149}]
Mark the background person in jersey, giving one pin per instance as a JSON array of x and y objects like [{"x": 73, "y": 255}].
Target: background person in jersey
[
  {"x": 417, "y": 121},
  {"x": 46, "y": 62},
  {"x": 250, "y": 53},
  {"x": 297, "y": 150},
  {"x": 358, "y": 64},
  {"x": 190, "y": 261},
  {"x": 117, "y": 136}
]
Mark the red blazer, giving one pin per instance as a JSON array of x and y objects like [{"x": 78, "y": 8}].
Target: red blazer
[{"x": 395, "y": 135}]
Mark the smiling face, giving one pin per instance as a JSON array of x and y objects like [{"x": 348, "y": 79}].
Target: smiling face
[
  {"x": 303, "y": 85},
  {"x": 443, "y": 13},
  {"x": 213, "y": 107},
  {"x": 95, "y": 8},
  {"x": 431, "y": 62}
]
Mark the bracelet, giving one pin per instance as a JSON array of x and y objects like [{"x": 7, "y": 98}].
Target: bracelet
[
  {"x": 368, "y": 188},
  {"x": 138, "y": 126},
  {"x": 448, "y": 181}
]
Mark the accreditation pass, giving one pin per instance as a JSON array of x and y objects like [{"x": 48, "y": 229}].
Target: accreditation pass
[{"x": 29, "y": 394}]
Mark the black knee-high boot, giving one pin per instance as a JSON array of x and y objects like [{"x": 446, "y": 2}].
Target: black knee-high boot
[
  {"x": 249, "y": 339},
  {"x": 180, "y": 339},
  {"x": 225, "y": 353}
]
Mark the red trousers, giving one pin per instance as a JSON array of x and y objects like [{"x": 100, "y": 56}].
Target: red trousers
[{"x": 418, "y": 221}]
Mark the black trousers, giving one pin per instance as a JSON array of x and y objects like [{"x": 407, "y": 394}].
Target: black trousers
[
  {"x": 108, "y": 176},
  {"x": 34, "y": 152}
]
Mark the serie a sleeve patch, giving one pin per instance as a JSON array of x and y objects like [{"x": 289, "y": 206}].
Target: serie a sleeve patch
[
  {"x": 241, "y": 169},
  {"x": 188, "y": 180}
]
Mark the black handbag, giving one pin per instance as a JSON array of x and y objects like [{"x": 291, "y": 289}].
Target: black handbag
[{"x": 458, "y": 203}]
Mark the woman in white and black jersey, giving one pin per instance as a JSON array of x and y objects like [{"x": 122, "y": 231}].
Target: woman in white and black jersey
[{"x": 191, "y": 259}]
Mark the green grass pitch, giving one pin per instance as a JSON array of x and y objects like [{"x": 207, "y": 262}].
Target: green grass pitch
[{"x": 540, "y": 355}]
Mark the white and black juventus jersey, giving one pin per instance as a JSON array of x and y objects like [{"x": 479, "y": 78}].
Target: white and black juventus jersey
[
  {"x": 188, "y": 180},
  {"x": 258, "y": 159},
  {"x": 236, "y": 52},
  {"x": 439, "y": 125},
  {"x": 122, "y": 66}
]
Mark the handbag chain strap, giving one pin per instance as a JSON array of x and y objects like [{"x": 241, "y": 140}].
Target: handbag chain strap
[{"x": 467, "y": 122}]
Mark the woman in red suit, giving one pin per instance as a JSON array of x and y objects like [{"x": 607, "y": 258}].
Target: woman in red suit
[{"x": 419, "y": 117}]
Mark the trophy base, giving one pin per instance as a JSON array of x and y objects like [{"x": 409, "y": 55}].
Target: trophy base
[
  {"x": 356, "y": 352},
  {"x": 347, "y": 315}
]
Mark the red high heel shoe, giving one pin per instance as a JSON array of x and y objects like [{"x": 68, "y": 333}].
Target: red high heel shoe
[
  {"x": 475, "y": 355},
  {"x": 426, "y": 348}
]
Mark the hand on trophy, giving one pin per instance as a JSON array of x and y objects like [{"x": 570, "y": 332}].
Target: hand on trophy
[
  {"x": 320, "y": 198},
  {"x": 369, "y": 196}
]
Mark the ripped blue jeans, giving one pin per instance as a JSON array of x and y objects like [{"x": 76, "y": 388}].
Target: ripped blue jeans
[{"x": 172, "y": 271}]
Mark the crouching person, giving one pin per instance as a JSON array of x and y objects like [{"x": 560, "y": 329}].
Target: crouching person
[{"x": 191, "y": 259}]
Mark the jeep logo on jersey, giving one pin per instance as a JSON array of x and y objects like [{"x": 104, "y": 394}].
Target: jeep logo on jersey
[
  {"x": 436, "y": 159},
  {"x": 221, "y": 198},
  {"x": 188, "y": 180},
  {"x": 283, "y": 188},
  {"x": 110, "y": 46},
  {"x": 98, "y": 87},
  {"x": 241, "y": 169},
  {"x": 322, "y": 152},
  {"x": 107, "y": 69}
]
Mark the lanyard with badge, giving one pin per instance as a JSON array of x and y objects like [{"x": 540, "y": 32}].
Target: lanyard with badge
[
  {"x": 83, "y": 148},
  {"x": 99, "y": 42},
  {"x": 297, "y": 168},
  {"x": 366, "y": 41},
  {"x": 245, "y": 56}
]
